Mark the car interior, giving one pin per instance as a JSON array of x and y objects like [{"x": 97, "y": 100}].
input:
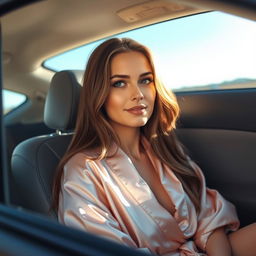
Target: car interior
[{"x": 217, "y": 127}]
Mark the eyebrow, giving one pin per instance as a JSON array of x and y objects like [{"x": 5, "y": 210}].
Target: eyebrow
[{"x": 126, "y": 76}]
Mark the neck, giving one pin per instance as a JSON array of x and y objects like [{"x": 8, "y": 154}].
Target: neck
[{"x": 129, "y": 138}]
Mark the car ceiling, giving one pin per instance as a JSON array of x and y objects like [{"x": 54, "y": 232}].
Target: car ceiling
[
  {"x": 44, "y": 29},
  {"x": 41, "y": 30}
]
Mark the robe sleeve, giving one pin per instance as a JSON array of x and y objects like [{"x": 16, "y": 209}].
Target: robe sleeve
[
  {"x": 215, "y": 212},
  {"x": 83, "y": 205}
]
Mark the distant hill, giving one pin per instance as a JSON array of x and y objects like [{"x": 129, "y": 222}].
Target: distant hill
[{"x": 233, "y": 84}]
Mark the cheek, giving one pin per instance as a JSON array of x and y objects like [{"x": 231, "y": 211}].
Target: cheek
[
  {"x": 154, "y": 94},
  {"x": 113, "y": 103},
  {"x": 151, "y": 95}
]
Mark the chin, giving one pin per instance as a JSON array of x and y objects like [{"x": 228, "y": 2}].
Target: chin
[
  {"x": 134, "y": 123},
  {"x": 140, "y": 124}
]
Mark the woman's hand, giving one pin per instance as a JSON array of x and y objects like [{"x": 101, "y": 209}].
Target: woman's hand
[{"x": 218, "y": 244}]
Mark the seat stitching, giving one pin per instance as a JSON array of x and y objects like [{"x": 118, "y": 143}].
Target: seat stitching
[
  {"x": 55, "y": 153},
  {"x": 46, "y": 195}
]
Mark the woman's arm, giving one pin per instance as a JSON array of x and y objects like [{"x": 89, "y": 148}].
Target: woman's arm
[
  {"x": 218, "y": 244},
  {"x": 83, "y": 204}
]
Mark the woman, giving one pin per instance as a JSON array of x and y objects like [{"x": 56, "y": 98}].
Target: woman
[{"x": 126, "y": 176}]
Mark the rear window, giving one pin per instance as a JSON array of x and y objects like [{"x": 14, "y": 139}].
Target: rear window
[
  {"x": 201, "y": 52},
  {"x": 12, "y": 100}
]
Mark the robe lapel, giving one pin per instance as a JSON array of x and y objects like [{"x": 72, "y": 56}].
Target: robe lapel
[
  {"x": 172, "y": 186},
  {"x": 123, "y": 167}
]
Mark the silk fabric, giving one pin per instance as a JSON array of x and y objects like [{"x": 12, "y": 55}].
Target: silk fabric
[{"x": 108, "y": 197}]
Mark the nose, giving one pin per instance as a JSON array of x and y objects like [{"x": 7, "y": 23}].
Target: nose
[{"x": 136, "y": 93}]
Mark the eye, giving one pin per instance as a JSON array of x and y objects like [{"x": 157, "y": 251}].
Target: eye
[
  {"x": 147, "y": 80},
  {"x": 118, "y": 84}
]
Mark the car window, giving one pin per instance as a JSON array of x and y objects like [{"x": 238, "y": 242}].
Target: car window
[
  {"x": 12, "y": 100},
  {"x": 218, "y": 55}
]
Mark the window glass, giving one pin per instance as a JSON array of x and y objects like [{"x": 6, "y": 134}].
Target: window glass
[
  {"x": 12, "y": 100},
  {"x": 205, "y": 51}
]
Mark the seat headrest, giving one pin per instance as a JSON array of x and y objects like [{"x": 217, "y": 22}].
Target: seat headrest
[{"x": 62, "y": 101}]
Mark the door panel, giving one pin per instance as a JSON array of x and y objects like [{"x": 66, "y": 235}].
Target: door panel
[
  {"x": 222, "y": 109},
  {"x": 218, "y": 129}
]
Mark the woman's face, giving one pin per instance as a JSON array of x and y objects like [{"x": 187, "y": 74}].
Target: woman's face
[{"x": 130, "y": 102}]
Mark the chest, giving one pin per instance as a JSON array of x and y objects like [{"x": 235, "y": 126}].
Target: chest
[{"x": 151, "y": 177}]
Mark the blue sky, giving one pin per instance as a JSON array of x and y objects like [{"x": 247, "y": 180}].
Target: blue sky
[{"x": 196, "y": 50}]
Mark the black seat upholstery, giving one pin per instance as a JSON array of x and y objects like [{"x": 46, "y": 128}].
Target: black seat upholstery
[{"x": 34, "y": 161}]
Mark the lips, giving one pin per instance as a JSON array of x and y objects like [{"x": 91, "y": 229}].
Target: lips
[{"x": 137, "y": 110}]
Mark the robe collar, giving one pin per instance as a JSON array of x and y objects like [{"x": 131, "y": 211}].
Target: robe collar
[{"x": 122, "y": 166}]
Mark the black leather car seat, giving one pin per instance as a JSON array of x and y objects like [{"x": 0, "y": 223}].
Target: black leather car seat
[{"x": 34, "y": 161}]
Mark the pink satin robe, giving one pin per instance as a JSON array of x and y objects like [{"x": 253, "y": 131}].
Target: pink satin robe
[{"x": 108, "y": 197}]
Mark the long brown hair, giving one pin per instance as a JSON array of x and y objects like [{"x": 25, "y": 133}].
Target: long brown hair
[{"x": 93, "y": 129}]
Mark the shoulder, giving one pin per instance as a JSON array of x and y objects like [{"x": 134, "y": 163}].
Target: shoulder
[
  {"x": 79, "y": 165},
  {"x": 77, "y": 160}
]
